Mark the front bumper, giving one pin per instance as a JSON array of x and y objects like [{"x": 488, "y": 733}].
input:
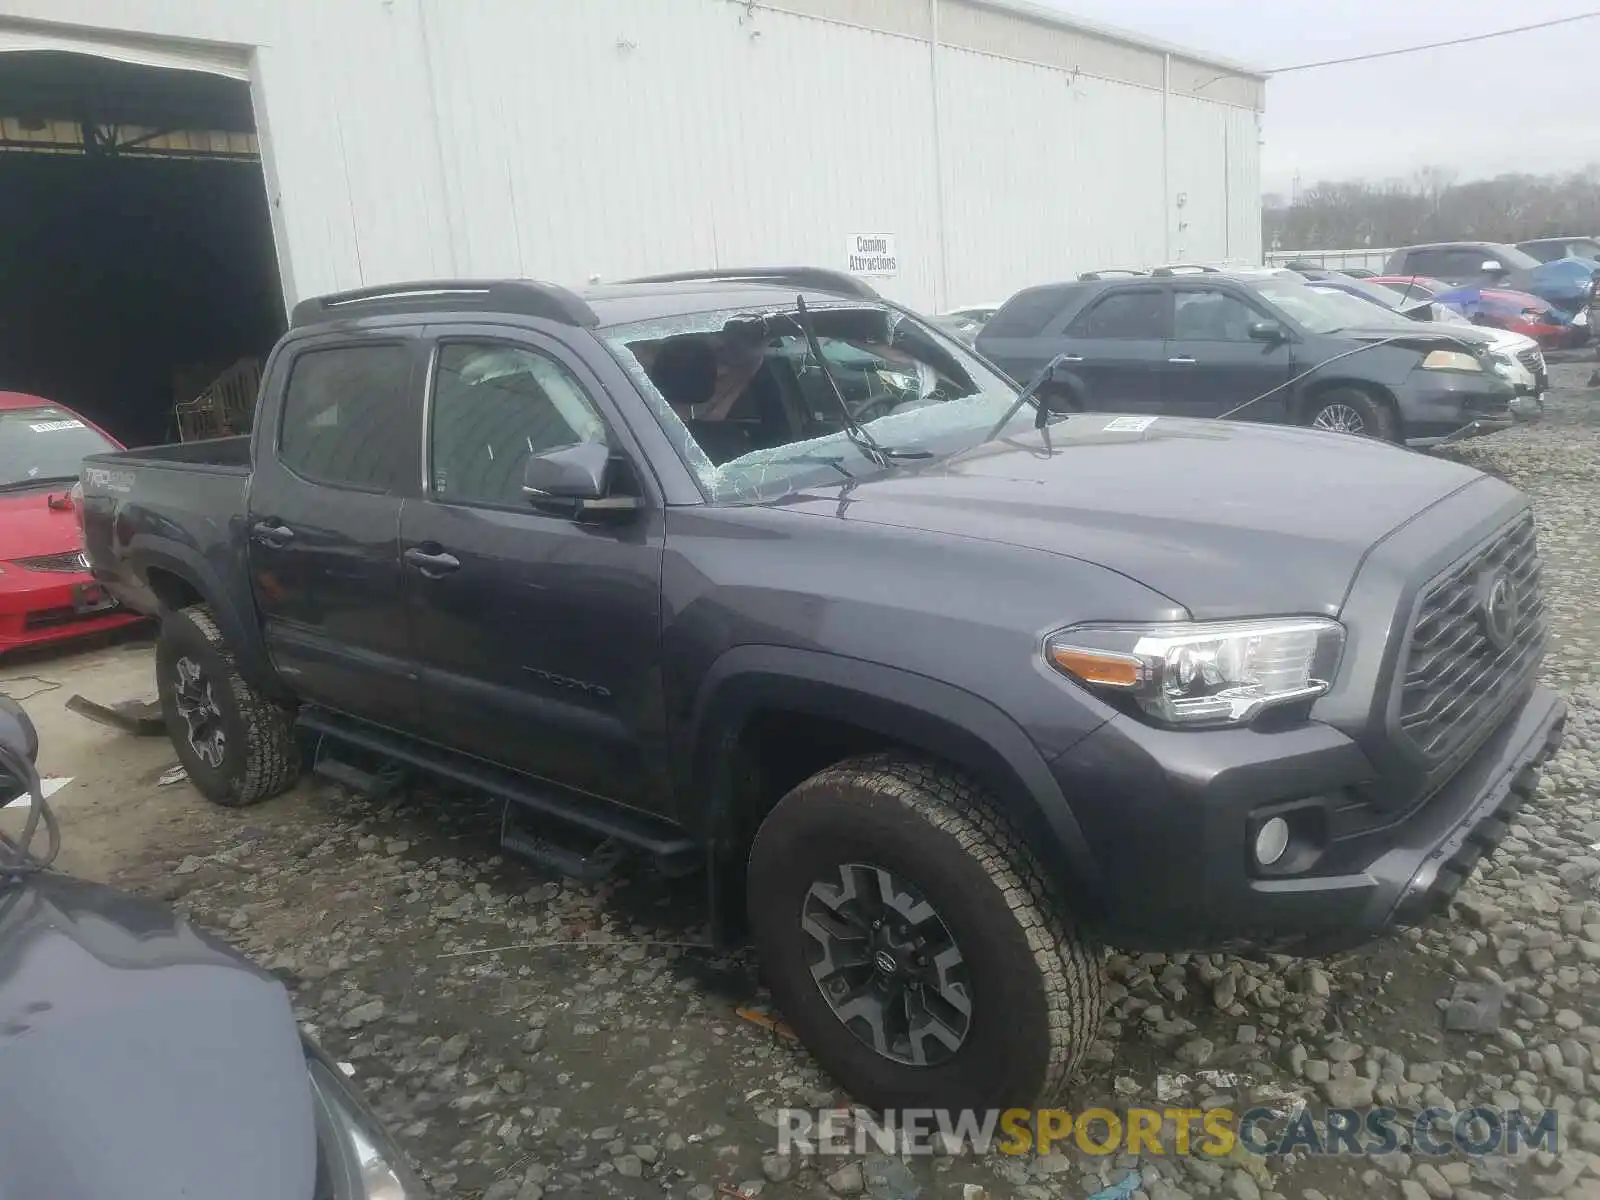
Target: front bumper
[
  {"x": 1174, "y": 840},
  {"x": 38, "y": 608},
  {"x": 1435, "y": 405}
]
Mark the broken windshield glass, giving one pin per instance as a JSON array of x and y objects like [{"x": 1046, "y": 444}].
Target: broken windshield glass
[{"x": 743, "y": 398}]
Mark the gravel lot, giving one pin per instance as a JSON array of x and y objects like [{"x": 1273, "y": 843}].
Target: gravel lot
[{"x": 528, "y": 1038}]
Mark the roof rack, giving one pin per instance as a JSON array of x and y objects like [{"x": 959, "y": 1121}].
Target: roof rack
[
  {"x": 1109, "y": 273},
  {"x": 524, "y": 297},
  {"x": 818, "y": 278}
]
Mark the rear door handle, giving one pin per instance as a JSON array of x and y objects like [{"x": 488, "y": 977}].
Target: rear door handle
[
  {"x": 274, "y": 537},
  {"x": 1182, "y": 360},
  {"x": 432, "y": 563},
  {"x": 1072, "y": 358}
]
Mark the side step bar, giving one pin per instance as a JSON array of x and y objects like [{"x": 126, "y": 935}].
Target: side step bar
[{"x": 597, "y": 820}]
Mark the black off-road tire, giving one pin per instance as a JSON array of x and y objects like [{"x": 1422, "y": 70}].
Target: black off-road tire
[
  {"x": 260, "y": 758},
  {"x": 1037, "y": 982},
  {"x": 1377, "y": 416}
]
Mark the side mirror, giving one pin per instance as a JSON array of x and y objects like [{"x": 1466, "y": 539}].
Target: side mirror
[
  {"x": 17, "y": 733},
  {"x": 1491, "y": 266},
  {"x": 19, "y": 737},
  {"x": 574, "y": 478},
  {"x": 1266, "y": 331}
]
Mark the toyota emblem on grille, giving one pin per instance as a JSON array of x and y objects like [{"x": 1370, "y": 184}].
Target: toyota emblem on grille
[{"x": 1500, "y": 608}]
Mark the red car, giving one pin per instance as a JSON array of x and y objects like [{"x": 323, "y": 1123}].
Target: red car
[
  {"x": 46, "y": 593},
  {"x": 1520, "y": 312}
]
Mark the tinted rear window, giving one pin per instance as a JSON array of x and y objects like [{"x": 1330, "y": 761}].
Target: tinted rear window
[
  {"x": 341, "y": 413},
  {"x": 1027, "y": 313}
]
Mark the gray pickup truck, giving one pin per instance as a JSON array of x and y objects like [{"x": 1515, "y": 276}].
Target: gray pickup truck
[{"x": 757, "y": 574}]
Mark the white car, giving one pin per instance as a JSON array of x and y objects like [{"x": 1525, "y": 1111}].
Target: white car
[{"x": 1517, "y": 357}]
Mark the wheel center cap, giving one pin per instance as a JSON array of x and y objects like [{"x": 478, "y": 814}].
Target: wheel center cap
[{"x": 886, "y": 962}]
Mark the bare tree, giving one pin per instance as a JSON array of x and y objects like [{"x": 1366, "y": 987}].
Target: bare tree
[{"x": 1432, "y": 206}]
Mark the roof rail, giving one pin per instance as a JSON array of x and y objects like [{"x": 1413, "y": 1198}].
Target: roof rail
[
  {"x": 524, "y": 297},
  {"x": 818, "y": 278},
  {"x": 1109, "y": 273}
]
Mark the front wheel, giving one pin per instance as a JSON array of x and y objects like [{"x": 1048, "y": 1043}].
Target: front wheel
[
  {"x": 1352, "y": 411},
  {"x": 914, "y": 944},
  {"x": 236, "y": 745}
]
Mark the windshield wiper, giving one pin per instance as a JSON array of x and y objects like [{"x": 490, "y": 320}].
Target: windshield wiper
[
  {"x": 821, "y": 460},
  {"x": 17, "y": 485},
  {"x": 1027, "y": 394},
  {"x": 863, "y": 441}
]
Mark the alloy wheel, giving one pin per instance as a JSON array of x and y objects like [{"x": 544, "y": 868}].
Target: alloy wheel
[
  {"x": 1339, "y": 418},
  {"x": 198, "y": 707},
  {"x": 887, "y": 965}
]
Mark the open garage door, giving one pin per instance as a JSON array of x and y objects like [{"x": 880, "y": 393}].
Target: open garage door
[{"x": 138, "y": 278}]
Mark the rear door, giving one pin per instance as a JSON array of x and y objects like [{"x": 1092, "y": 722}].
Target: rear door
[
  {"x": 537, "y": 634},
  {"x": 324, "y": 516},
  {"x": 1115, "y": 347},
  {"x": 1212, "y": 365}
]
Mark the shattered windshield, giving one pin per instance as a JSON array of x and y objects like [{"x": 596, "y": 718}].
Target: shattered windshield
[{"x": 753, "y": 413}]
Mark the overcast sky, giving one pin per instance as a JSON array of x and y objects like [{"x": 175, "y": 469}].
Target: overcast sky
[{"x": 1529, "y": 102}]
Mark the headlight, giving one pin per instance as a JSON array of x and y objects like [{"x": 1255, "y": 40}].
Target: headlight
[
  {"x": 356, "y": 1159},
  {"x": 1450, "y": 360},
  {"x": 1223, "y": 673}
]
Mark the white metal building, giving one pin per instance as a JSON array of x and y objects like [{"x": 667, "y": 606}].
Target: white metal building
[{"x": 988, "y": 144}]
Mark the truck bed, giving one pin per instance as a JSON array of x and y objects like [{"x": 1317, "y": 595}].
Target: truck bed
[
  {"x": 229, "y": 453},
  {"x": 169, "y": 506}
]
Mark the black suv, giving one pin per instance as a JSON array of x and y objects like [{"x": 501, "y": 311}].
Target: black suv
[
  {"x": 760, "y": 575},
  {"x": 1208, "y": 344}
]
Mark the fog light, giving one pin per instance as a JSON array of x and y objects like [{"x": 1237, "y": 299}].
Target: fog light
[{"x": 1272, "y": 841}]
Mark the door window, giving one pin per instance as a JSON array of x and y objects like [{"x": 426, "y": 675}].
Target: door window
[
  {"x": 494, "y": 407},
  {"x": 1428, "y": 262},
  {"x": 342, "y": 415},
  {"x": 1126, "y": 314},
  {"x": 1210, "y": 316}
]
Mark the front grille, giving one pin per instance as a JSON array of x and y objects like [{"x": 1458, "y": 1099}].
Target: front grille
[
  {"x": 55, "y": 618},
  {"x": 1455, "y": 675},
  {"x": 69, "y": 562},
  {"x": 1533, "y": 359}
]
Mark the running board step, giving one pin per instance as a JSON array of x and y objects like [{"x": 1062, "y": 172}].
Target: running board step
[
  {"x": 593, "y": 821},
  {"x": 563, "y": 851},
  {"x": 374, "y": 785}
]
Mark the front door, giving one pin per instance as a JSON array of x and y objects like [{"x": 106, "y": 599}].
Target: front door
[
  {"x": 1114, "y": 350},
  {"x": 1212, "y": 365},
  {"x": 538, "y": 634},
  {"x": 324, "y": 521}
]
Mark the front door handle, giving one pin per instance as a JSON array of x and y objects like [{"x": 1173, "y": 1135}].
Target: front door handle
[
  {"x": 432, "y": 563},
  {"x": 1072, "y": 358},
  {"x": 274, "y": 537},
  {"x": 1182, "y": 360}
]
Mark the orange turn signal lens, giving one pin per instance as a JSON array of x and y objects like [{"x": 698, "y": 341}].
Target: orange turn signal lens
[{"x": 1098, "y": 666}]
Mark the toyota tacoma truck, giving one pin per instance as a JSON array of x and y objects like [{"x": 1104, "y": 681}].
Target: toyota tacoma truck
[{"x": 756, "y": 574}]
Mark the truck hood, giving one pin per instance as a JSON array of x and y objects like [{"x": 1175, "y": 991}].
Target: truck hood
[
  {"x": 141, "y": 1059},
  {"x": 1225, "y": 519},
  {"x": 30, "y": 527}
]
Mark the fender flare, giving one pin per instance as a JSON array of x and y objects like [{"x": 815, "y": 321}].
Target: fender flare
[
  {"x": 920, "y": 713},
  {"x": 249, "y": 651}
]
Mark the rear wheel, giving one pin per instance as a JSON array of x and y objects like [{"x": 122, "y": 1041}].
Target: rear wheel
[
  {"x": 914, "y": 944},
  {"x": 1353, "y": 411},
  {"x": 236, "y": 744}
]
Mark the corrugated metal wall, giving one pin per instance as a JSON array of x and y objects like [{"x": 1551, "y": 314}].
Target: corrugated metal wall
[{"x": 602, "y": 138}]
